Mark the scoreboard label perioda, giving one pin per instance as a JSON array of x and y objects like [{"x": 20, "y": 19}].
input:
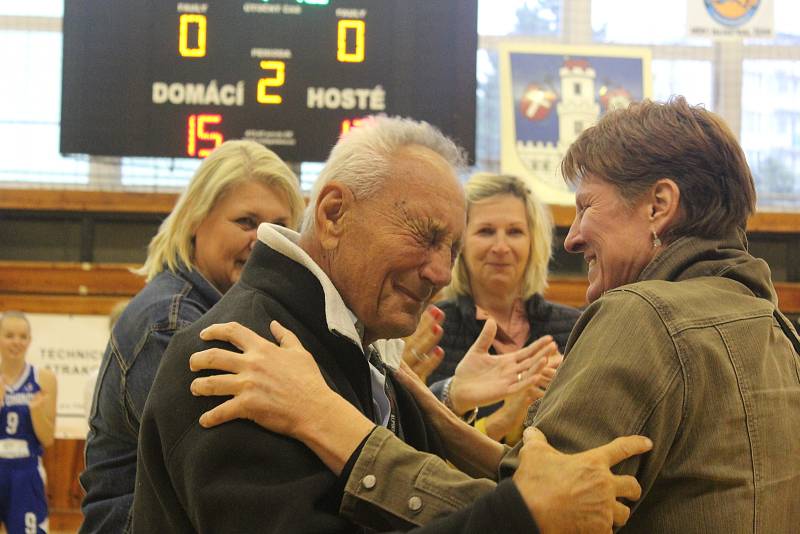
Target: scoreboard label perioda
[{"x": 175, "y": 79}]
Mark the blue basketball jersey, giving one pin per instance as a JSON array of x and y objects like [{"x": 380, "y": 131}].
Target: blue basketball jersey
[{"x": 17, "y": 438}]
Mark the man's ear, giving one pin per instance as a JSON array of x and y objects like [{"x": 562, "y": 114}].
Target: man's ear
[
  {"x": 334, "y": 202},
  {"x": 664, "y": 205}
]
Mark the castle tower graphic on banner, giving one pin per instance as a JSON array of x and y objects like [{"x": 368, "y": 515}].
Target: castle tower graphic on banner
[{"x": 578, "y": 108}]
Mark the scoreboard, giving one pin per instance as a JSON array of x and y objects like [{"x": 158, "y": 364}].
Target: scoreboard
[{"x": 175, "y": 79}]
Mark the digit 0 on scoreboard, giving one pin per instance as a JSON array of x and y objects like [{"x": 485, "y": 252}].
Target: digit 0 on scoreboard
[
  {"x": 347, "y": 27},
  {"x": 197, "y": 132},
  {"x": 200, "y": 22}
]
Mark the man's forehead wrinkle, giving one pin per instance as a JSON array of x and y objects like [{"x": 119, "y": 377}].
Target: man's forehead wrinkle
[{"x": 423, "y": 224}]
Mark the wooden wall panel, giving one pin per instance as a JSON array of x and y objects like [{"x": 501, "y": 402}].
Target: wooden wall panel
[
  {"x": 565, "y": 290},
  {"x": 788, "y": 297},
  {"x": 86, "y": 201},
  {"x": 65, "y": 304},
  {"x": 63, "y": 462},
  {"x": 132, "y": 202},
  {"x": 68, "y": 278},
  {"x": 568, "y": 291}
]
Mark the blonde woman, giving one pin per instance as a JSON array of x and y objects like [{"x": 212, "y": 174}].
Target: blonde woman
[
  {"x": 500, "y": 275},
  {"x": 27, "y": 425},
  {"x": 196, "y": 256}
]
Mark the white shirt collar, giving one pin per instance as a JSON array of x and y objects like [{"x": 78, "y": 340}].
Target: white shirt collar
[{"x": 340, "y": 319}]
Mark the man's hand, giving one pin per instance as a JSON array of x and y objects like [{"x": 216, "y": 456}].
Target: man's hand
[
  {"x": 422, "y": 352},
  {"x": 577, "y": 493},
  {"x": 275, "y": 386},
  {"x": 482, "y": 378}
]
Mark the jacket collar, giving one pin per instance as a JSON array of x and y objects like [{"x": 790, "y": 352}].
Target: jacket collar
[
  {"x": 340, "y": 319},
  {"x": 200, "y": 283},
  {"x": 727, "y": 257}
]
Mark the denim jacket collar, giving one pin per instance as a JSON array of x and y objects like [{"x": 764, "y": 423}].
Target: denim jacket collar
[{"x": 206, "y": 289}]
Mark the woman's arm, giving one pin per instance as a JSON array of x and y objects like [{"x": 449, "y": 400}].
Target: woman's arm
[
  {"x": 295, "y": 400},
  {"x": 468, "y": 449},
  {"x": 281, "y": 389},
  {"x": 43, "y": 407}
]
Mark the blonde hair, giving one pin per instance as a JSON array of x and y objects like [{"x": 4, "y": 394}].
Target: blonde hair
[
  {"x": 230, "y": 164},
  {"x": 14, "y": 314},
  {"x": 485, "y": 185}
]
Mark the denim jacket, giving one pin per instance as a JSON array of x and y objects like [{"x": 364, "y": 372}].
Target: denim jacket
[{"x": 169, "y": 302}]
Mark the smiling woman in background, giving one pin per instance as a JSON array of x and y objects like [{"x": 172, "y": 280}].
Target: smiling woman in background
[
  {"x": 500, "y": 274},
  {"x": 197, "y": 255},
  {"x": 27, "y": 425}
]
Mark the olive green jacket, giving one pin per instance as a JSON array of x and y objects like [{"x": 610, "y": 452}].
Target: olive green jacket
[
  {"x": 694, "y": 355},
  {"x": 391, "y": 477}
]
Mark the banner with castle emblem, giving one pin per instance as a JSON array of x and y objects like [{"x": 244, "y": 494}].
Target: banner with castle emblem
[{"x": 550, "y": 94}]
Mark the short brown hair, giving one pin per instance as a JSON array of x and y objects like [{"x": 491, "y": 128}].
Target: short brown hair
[{"x": 632, "y": 148}]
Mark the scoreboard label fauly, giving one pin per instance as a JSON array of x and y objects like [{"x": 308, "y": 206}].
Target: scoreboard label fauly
[{"x": 175, "y": 79}]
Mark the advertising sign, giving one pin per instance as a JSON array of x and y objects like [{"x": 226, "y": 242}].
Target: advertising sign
[
  {"x": 71, "y": 346},
  {"x": 731, "y": 19}
]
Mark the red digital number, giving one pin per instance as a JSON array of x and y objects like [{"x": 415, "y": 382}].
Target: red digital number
[
  {"x": 198, "y": 133},
  {"x": 347, "y": 124}
]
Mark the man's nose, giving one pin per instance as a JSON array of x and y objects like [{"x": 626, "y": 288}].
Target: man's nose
[
  {"x": 574, "y": 242},
  {"x": 437, "y": 270}
]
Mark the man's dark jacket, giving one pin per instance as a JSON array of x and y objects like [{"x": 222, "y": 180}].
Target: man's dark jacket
[{"x": 239, "y": 477}]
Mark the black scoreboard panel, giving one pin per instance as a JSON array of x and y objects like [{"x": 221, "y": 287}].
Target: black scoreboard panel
[{"x": 174, "y": 79}]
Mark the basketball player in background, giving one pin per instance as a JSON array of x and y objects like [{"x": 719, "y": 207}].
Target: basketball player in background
[{"x": 27, "y": 425}]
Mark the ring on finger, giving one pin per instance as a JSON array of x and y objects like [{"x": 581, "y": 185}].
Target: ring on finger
[
  {"x": 519, "y": 377},
  {"x": 417, "y": 355}
]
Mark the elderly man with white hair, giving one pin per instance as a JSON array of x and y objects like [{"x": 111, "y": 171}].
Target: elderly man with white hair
[{"x": 384, "y": 227}]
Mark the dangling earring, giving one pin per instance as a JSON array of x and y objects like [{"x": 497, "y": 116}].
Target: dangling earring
[{"x": 656, "y": 240}]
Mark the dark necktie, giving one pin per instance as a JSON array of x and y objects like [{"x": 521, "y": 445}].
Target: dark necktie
[{"x": 394, "y": 422}]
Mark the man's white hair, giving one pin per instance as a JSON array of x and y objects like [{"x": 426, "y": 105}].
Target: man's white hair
[{"x": 362, "y": 157}]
